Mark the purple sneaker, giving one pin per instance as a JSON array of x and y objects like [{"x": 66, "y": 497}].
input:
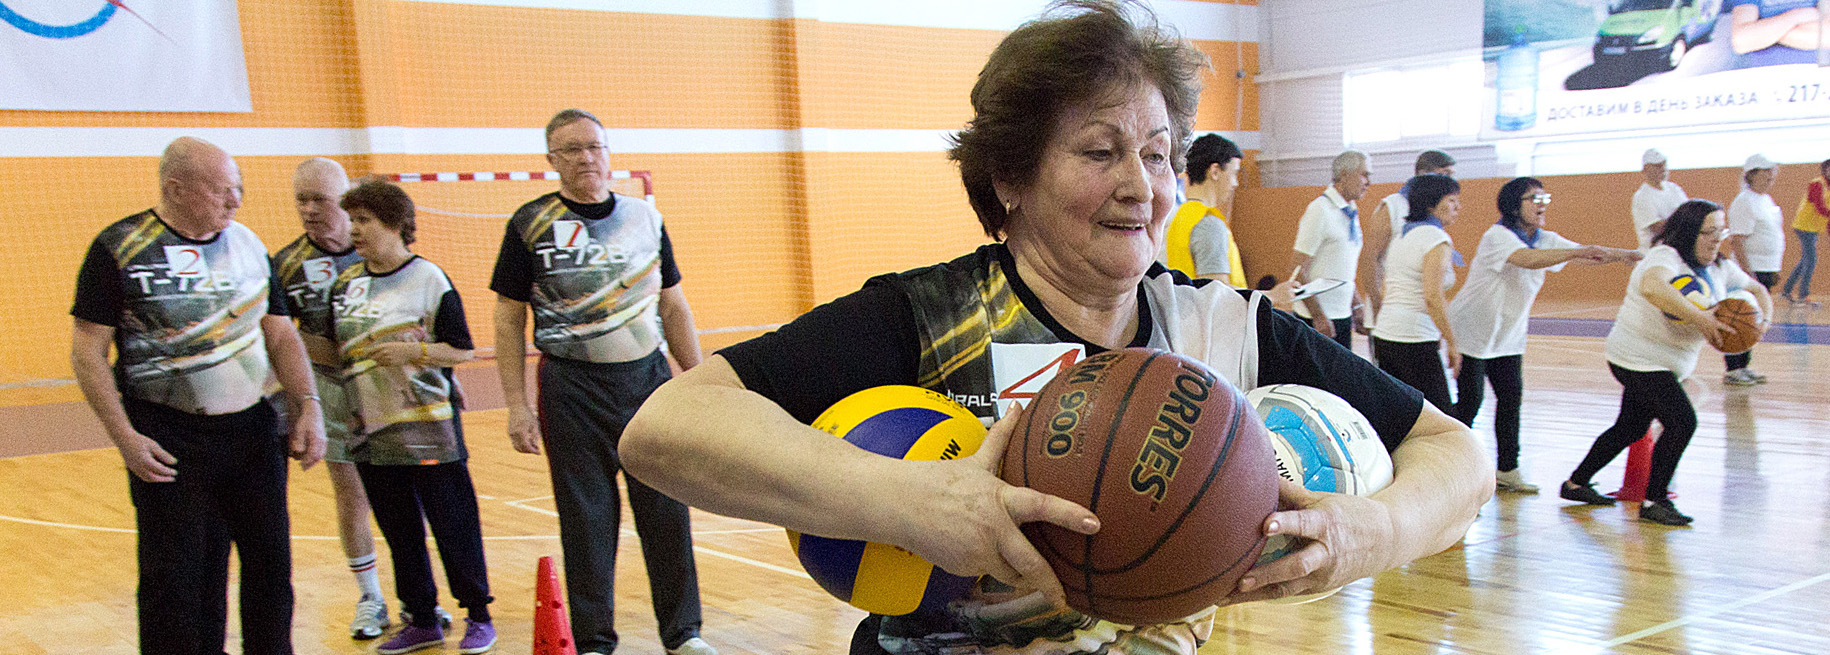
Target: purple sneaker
[
  {"x": 478, "y": 637},
  {"x": 412, "y": 638}
]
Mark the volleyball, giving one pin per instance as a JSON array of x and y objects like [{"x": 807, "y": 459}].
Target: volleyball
[
  {"x": 1321, "y": 442},
  {"x": 1691, "y": 289},
  {"x": 909, "y": 423}
]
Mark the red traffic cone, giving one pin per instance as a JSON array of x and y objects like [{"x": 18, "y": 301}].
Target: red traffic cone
[{"x": 552, "y": 630}]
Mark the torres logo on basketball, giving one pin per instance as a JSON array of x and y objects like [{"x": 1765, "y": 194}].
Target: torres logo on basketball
[{"x": 1175, "y": 421}]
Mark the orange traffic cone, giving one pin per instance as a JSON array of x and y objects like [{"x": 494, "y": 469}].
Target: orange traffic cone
[{"x": 552, "y": 630}]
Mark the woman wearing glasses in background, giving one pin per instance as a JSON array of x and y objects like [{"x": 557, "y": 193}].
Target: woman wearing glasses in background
[{"x": 1489, "y": 316}]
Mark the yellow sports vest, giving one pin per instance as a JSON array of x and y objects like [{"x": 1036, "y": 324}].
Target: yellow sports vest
[
  {"x": 1179, "y": 257},
  {"x": 1806, "y": 219}
]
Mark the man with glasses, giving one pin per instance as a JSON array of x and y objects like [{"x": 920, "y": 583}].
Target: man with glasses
[{"x": 598, "y": 271}]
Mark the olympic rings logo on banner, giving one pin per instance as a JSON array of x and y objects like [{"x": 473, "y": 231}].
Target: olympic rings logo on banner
[{"x": 36, "y": 28}]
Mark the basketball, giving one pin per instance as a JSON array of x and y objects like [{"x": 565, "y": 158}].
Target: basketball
[
  {"x": 1741, "y": 313},
  {"x": 1322, "y": 443},
  {"x": 894, "y": 421},
  {"x": 1176, "y": 465}
]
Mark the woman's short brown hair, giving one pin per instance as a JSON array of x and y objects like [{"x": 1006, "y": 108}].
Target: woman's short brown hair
[
  {"x": 1077, "y": 51},
  {"x": 387, "y": 202}
]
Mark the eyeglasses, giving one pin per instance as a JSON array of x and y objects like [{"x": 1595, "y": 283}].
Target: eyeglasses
[
  {"x": 572, "y": 152},
  {"x": 1540, "y": 198}
]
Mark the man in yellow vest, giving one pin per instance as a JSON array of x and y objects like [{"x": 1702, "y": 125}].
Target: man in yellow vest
[{"x": 1199, "y": 243}]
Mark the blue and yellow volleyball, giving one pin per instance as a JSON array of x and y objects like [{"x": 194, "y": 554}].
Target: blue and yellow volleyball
[
  {"x": 904, "y": 422},
  {"x": 1692, "y": 289}
]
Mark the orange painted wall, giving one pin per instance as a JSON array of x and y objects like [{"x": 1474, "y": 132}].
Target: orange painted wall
[
  {"x": 760, "y": 237},
  {"x": 1586, "y": 208}
]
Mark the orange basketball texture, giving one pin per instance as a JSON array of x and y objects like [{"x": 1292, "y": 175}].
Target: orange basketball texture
[
  {"x": 1176, "y": 464},
  {"x": 1744, "y": 319}
]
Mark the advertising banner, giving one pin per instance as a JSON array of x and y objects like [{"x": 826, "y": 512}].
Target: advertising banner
[
  {"x": 122, "y": 55},
  {"x": 1559, "y": 67}
]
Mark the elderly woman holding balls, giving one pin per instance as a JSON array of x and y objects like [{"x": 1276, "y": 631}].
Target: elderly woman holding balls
[{"x": 1081, "y": 121}]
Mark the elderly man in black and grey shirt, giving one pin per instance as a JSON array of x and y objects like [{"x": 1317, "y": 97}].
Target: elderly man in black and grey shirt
[{"x": 184, "y": 295}]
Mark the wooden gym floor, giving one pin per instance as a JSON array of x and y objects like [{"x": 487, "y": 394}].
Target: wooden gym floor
[{"x": 1535, "y": 574}]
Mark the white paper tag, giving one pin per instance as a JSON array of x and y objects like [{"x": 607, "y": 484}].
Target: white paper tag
[{"x": 1019, "y": 370}]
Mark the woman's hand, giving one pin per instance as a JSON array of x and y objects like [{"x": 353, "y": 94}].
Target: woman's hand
[
  {"x": 969, "y": 525},
  {"x": 1454, "y": 355},
  {"x": 395, "y": 353},
  {"x": 1713, "y": 331},
  {"x": 1344, "y": 538}
]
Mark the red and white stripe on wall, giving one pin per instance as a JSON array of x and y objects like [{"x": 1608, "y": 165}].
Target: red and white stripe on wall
[{"x": 646, "y": 177}]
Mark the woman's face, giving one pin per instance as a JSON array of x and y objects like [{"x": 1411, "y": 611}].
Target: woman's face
[
  {"x": 1532, "y": 207},
  {"x": 1105, "y": 187},
  {"x": 1447, "y": 209},
  {"x": 1761, "y": 180},
  {"x": 369, "y": 235},
  {"x": 1709, "y": 236}
]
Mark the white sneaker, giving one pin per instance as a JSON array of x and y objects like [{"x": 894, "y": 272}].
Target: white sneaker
[
  {"x": 1757, "y": 378},
  {"x": 1739, "y": 378},
  {"x": 694, "y": 646},
  {"x": 1513, "y": 481},
  {"x": 371, "y": 619}
]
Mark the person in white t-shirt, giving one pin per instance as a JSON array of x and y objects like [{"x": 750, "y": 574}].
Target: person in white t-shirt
[
  {"x": 1653, "y": 347},
  {"x": 1656, "y": 199},
  {"x": 1756, "y": 236},
  {"x": 1413, "y": 324},
  {"x": 1328, "y": 246},
  {"x": 1490, "y": 314},
  {"x": 1388, "y": 219}
]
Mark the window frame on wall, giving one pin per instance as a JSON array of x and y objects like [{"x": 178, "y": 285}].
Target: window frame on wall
[{"x": 1416, "y": 105}]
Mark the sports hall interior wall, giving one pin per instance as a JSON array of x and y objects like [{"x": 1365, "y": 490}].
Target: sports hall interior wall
[
  {"x": 760, "y": 236},
  {"x": 1592, "y": 209}
]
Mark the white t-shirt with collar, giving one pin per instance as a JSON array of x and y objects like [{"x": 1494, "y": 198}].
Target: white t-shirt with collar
[
  {"x": 1332, "y": 240},
  {"x": 1757, "y": 217},
  {"x": 1491, "y": 312},
  {"x": 1403, "y": 317},
  {"x": 1653, "y": 205},
  {"x": 1643, "y": 338}
]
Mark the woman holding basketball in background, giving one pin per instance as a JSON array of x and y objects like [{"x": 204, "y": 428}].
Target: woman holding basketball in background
[
  {"x": 1413, "y": 324},
  {"x": 1490, "y": 313},
  {"x": 1654, "y": 345},
  {"x": 1082, "y": 118}
]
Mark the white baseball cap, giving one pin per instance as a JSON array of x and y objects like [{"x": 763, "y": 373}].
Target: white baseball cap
[
  {"x": 1756, "y": 162},
  {"x": 1652, "y": 156}
]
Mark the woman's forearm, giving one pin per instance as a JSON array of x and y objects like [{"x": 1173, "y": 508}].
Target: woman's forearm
[{"x": 705, "y": 440}]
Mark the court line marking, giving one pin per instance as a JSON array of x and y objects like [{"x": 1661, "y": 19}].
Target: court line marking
[
  {"x": 522, "y": 504},
  {"x": 296, "y": 537},
  {"x": 1750, "y": 600}
]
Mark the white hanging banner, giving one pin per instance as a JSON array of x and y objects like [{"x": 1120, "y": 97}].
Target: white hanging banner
[{"x": 122, "y": 55}]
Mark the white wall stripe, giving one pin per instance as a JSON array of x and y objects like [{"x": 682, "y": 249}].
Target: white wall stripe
[
  {"x": 308, "y": 141},
  {"x": 1204, "y": 21}
]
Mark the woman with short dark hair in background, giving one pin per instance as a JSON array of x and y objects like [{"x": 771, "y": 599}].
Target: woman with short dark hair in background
[
  {"x": 400, "y": 328},
  {"x": 1654, "y": 345},
  {"x": 1413, "y": 324},
  {"x": 1491, "y": 312}
]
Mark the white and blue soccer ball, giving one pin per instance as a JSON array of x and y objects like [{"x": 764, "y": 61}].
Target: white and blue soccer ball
[{"x": 1321, "y": 442}]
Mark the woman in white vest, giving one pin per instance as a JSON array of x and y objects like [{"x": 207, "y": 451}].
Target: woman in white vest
[
  {"x": 1757, "y": 241},
  {"x": 1653, "y": 347},
  {"x": 1490, "y": 314},
  {"x": 1080, "y": 121},
  {"x": 1413, "y": 324}
]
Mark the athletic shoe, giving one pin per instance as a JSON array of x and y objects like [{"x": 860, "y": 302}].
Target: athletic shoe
[
  {"x": 479, "y": 637},
  {"x": 1758, "y": 378},
  {"x": 444, "y": 618},
  {"x": 371, "y": 619},
  {"x": 1513, "y": 481},
  {"x": 1583, "y": 494},
  {"x": 412, "y": 638},
  {"x": 1663, "y": 512},
  {"x": 694, "y": 646},
  {"x": 1739, "y": 378}
]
